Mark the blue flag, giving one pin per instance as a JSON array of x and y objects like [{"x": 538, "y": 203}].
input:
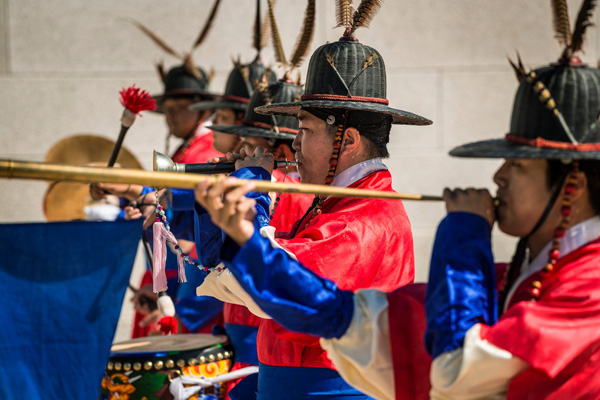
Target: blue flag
[{"x": 62, "y": 286}]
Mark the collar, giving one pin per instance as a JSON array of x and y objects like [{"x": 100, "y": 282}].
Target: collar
[
  {"x": 358, "y": 171},
  {"x": 575, "y": 237}
]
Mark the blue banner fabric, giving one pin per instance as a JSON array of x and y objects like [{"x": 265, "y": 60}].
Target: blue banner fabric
[{"x": 62, "y": 288}]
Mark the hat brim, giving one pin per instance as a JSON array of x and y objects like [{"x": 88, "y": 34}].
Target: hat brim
[
  {"x": 217, "y": 104},
  {"x": 502, "y": 148},
  {"x": 291, "y": 109},
  {"x": 160, "y": 98},
  {"x": 248, "y": 130}
]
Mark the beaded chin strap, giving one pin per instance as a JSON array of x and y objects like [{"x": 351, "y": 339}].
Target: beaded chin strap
[
  {"x": 559, "y": 233},
  {"x": 513, "y": 268}
]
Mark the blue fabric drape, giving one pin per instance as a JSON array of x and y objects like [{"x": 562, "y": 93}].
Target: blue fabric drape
[
  {"x": 62, "y": 288},
  {"x": 461, "y": 290}
]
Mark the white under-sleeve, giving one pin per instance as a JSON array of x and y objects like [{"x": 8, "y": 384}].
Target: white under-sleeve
[
  {"x": 363, "y": 356},
  {"x": 478, "y": 370}
]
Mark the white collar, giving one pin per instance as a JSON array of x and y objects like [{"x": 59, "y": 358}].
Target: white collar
[
  {"x": 358, "y": 171},
  {"x": 574, "y": 238}
]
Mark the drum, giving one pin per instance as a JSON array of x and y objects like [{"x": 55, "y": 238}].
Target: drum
[{"x": 142, "y": 369}]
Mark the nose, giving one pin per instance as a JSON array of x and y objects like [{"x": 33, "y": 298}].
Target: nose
[
  {"x": 297, "y": 140},
  {"x": 500, "y": 177}
]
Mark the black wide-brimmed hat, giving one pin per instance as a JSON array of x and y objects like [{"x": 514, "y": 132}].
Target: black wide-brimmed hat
[
  {"x": 240, "y": 86},
  {"x": 267, "y": 126},
  {"x": 180, "y": 83},
  {"x": 346, "y": 75},
  {"x": 555, "y": 113},
  {"x": 186, "y": 80}
]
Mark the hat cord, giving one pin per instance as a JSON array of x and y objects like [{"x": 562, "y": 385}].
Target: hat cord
[{"x": 513, "y": 269}]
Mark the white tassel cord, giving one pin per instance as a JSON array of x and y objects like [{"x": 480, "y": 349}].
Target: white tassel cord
[{"x": 180, "y": 392}]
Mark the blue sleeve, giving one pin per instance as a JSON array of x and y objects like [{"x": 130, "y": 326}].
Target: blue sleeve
[
  {"x": 196, "y": 312},
  {"x": 146, "y": 190},
  {"x": 209, "y": 238},
  {"x": 291, "y": 294},
  {"x": 181, "y": 224},
  {"x": 461, "y": 290},
  {"x": 263, "y": 201},
  {"x": 182, "y": 199}
]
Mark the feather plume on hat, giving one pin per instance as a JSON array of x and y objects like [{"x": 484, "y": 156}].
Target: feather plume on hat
[
  {"x": 303, "y": 42},
  {"x": 186, "y": 58}
]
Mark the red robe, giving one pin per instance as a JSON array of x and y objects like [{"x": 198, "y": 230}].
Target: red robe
[
  {"x": 357, "y": 243},
  {"x": 559, "y": 335}
]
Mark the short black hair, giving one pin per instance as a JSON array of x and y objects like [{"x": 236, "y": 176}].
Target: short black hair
[
  {"x": 591, "y": 169},
  {"x": 373, "y": 127}
]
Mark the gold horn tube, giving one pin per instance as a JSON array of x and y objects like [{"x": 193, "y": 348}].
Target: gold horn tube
[{"x": 37, "y": 170}]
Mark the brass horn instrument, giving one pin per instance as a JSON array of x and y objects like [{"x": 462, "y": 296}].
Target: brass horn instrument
[
  {"x": 164, "y": 163},
  {"x": 44, "y": 171}
]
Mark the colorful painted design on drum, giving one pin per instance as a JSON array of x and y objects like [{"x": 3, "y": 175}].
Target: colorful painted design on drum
[
  {"x": 141, "y": 369},
  {"x": 209, "y": 370}
]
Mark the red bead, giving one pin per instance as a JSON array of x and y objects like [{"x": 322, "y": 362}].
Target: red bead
[
  {"x": 535, "y": 292},
  {"x": 554, "y": 254},
  {"x": 566, "y": 211},
  {"x": 160, "y": 207},
  {"x": 559, "y": 232},
  {"x": 337, "y": 145},
  {"x": 333, "y": 162},
  {"x": 329, "y": 180},
  {"x": 569, "y": 188},
  {"x": 157, "y": 219},
  {"x": 182, "y": 255}
]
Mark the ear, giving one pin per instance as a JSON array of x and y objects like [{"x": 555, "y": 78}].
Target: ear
[
  {"x": 284, "y": 152},
  {"x": 204, "y": 115},
  {"x": 581, "y": 188},
  {"x": 352, "y": 142}
]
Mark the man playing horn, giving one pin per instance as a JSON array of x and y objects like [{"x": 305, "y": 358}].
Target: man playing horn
[{"x": 344, "y": 127}]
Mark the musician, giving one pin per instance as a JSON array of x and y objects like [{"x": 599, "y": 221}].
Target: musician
[
  {"x": 182, "y": 88},
  {"x": 344, "y": 126},
  {"x": 545, "y": 342}
]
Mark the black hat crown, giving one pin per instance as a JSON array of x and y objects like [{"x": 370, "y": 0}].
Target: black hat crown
[
  {"x": 180, "y": 82},
  {"x": 559, "y": 103},
  {"x": 239, "y": 87},
  {"x": 268, "y": 126},
  {"x": 557, "y": 107},
  {"x": 346, "y": 70}
]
